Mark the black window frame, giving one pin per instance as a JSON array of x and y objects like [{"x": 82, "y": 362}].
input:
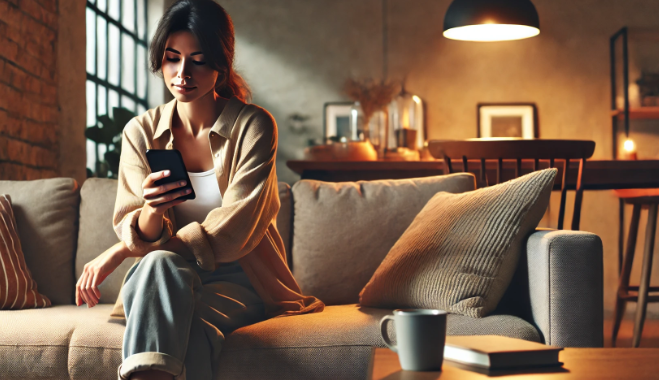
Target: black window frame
[{"x": 137, "y": 41}]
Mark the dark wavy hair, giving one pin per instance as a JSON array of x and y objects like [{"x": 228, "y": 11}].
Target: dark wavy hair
[{"x": 212, "y": 27}]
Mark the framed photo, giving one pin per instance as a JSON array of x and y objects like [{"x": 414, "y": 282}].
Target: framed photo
[
  {"x": 508, "y": 120},
  {"x": 336, "y": 122}
]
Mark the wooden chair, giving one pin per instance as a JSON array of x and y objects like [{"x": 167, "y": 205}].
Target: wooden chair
[
  {"x": 518, "y": 150},
  {"x": 641, "y": 199}
]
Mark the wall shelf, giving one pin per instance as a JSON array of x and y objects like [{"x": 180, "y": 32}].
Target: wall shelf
[{"x": 637, "y": 113}]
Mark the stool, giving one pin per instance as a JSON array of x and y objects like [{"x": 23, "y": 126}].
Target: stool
[{"x": 640, "y": 199}]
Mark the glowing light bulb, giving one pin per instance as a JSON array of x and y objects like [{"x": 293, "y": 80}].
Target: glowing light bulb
[
  {"x": 629, "y": 150},
  {"x": 491, "y": 32}
]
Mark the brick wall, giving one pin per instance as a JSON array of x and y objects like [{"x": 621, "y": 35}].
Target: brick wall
[{"x": 29, "y": 112}]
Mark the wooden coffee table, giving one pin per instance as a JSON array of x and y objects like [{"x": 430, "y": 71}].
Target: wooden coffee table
[{"x": 579, "y": 363}]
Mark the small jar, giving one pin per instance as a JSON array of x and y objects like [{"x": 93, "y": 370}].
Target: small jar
[{"x": 406, "y": 122}]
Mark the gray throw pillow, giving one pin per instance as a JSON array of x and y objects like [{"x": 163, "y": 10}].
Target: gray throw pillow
[
  {"x": 342, "y": 231},
  {"x": 461, "y": 250}
]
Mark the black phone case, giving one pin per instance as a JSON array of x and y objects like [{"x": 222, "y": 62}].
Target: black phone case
[{"x": 170, "y": 159}]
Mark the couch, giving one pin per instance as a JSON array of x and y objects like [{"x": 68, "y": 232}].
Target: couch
[{"x": 555, "y": 298}]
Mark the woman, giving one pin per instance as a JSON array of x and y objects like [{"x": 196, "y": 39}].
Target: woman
[{"x": 209, "y": 266}]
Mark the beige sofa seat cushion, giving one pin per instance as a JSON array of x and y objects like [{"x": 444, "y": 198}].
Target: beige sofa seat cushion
[
  {"x": 65, "y": 342},
  {"x": 46, "y": 212},
  {"x": 61, "y": 342},
  {"x": 461, "y": 251},
  {"x": 342, "y": 231},
  {"x": 96, "y": 234},
  {"x": 334, "y": 344}
]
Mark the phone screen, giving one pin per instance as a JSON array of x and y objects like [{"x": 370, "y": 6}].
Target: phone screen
[{"x": 170, "y": 159}]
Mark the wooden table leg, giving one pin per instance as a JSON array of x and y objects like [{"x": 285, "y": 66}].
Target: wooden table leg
[
  {"x": 626, "y": 269},
  {"x": 621, "y": 233},
  {"x": 642, "y": 303}
]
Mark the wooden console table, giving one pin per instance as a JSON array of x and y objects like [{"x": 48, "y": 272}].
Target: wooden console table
[{"x": 598, "y": 174}]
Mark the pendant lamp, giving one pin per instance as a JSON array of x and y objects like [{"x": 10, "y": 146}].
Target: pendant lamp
[{"x": 491, "y": 20}]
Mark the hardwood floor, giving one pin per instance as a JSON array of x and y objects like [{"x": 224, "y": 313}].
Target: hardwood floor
[{"x": 650, "y": 337}]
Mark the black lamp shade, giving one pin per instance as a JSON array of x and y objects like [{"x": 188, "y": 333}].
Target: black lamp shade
[{"x": 518, "y": 13}]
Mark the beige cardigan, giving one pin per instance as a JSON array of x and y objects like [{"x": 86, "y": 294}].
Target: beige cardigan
[{"x": 243, "y": 142}]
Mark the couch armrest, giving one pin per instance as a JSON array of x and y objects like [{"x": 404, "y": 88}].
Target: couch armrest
[{"x": 565, "y": 274}]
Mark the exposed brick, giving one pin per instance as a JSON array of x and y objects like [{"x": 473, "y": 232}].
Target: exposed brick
[
  {"x": 12, "y": 76},
  {"x": 9, "y": 49},
  {"x": 44, "y": 158},
  {"x": 50, "y": 5},
  {"x": 38, "y": 12},
  {"x": 10, "y": 171},
  {"x": 18, "y": 151},
  {"x": 11, "y": 15},
  {"x": 3, "y": 121},
  {"x": 29, "y": 112},
  {"x": 3, "y": 147}
]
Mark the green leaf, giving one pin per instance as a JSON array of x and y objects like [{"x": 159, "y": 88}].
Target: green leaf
[
  {"x": 94, "y": 134},
  {"x": 112, "y": 158},
  {"x": 121, "y": 117}
]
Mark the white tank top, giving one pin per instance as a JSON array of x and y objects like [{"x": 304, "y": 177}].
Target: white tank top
[{"x": 207, "y": 197}]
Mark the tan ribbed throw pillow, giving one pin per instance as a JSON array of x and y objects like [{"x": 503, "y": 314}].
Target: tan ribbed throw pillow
[
  {"x": 17, "y": 288},
  {"x": 461, "y": 250}
]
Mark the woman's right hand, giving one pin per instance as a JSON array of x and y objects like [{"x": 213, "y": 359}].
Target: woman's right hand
[{"x": 153, "y": 194}]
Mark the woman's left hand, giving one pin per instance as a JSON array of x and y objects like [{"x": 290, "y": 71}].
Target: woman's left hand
[{"x": 96, "y": 271}]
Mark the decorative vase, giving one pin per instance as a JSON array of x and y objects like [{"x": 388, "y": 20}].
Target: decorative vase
[
  {"x": 406, "y": 122},
  {"x": 377, "y": 131},
  {"x": 356, "y": 122}
]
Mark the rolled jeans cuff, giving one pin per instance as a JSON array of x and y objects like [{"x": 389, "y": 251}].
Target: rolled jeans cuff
[{"x": 144, "y": 361}]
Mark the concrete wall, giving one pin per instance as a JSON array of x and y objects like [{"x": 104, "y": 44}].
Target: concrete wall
[{"x": 296, "y": 54}]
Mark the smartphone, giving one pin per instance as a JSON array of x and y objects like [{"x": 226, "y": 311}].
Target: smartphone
[{"x": 170, "y": 159}]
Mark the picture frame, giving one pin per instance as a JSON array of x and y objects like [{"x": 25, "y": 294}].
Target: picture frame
[
  {"x": 336, "y": 120},
  {"x": 518, "y": 120}
]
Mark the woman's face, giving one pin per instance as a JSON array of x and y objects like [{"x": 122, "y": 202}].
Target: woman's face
[{"x": 186, "y": 73}]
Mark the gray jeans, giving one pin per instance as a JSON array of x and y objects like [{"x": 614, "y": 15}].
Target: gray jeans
[{"x": 177, "y": 315}]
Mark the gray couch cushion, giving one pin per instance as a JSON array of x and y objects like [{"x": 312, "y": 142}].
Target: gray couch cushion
[
  {"x": 342, "y": 231},
  {"x": 96, "y": 233},
  {"x": 46, "y": 212}
]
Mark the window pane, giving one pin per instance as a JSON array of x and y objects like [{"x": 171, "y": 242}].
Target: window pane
[
  {"x": 91, "y": 41},
  {"x": 91, "y": 103},
  {"x": 102, "y": 100},
  {"x": 102, "y": 42},
  {"x": 128, "y": 14},
  {"x": 114, "y": 53},
  {"x": 141, "y": 71},
  {"x": 114, "y": 99},
  {"x": 141, "y": 19},
  {"x": 140, "y": 109},
  {"x": 102, "y": 5},
  {"x": 128, "y": 103},
  {"x": 91, "y": 155},
  {"x": 113, "y": 9},
  {"x": 128, "y": 63}
]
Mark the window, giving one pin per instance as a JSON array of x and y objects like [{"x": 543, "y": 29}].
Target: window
[{"x": 116, "y": 68}]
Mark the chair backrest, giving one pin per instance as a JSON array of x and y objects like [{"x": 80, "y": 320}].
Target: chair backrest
[{"x": 518, "y": 150}]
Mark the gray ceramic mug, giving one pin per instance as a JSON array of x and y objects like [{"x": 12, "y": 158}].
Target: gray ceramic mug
[{"x": 420, "y": 336}]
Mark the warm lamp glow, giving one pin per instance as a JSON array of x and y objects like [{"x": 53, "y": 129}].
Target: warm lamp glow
[
  {"x": 629, "y": 146},
  {"x": 491, "y": 32}
]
